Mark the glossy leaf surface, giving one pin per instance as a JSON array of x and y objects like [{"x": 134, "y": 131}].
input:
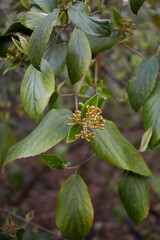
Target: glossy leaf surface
[
  {"x": 74, "y": 211},
  {"x": 142, "y": 82},
  {"x": 36, "y": 89},
  {"x": 134, "y": 194},
  {"x": 90, "y": 25},
  {"x": 53, "y": 161},
  {"x": 52, "y": 129},
  {"x": 40, "y": 37},
  {"x": 78, "y": 55},
  {"x": 151, "y": 116},
  {"x": 110, "y": 145},
  {"x": 135, "y": 5}
]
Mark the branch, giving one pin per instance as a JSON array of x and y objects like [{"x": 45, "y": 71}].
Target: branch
[
  {"x": 79, "y": 165},
  {"x": 131, "y": 49},
  {"x": 30, "y": 223}
]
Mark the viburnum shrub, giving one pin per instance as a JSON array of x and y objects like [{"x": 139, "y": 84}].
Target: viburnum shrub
[{"x": 50, "y": 35}]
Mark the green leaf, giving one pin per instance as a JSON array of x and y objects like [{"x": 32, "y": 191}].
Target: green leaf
[
  {"x": 143, "y": 81},
  {"x": 117, "y": 17},
  {"x": 25, "y": 3},
  {"x": 135, "y": 5},
  {"x": 155, "y": 183},
  {"x": 151, "y": 116},
  {"x": 15, "y": 27},
  {"x": 74, "y": 130},
  {"x": 32, "y": 19},
  {"x": 11, "y": 67},
  {"x": 145, "y": 140},
  {"x": 91, "y": 25},
  {"x": 15, "y": 176},
  {"x": 24, "y": 43},
  {"x": 40, "y": 37},
  {"x": 74, "y": 211},
  {"x": 92, "y": 101},
  {"x": 78, "y": 52},
  {"x": 101, "y": 102},
  {"x": 31, "y": 236},
  {"x": 36, "y": 89},
  {"x": 53, "y": 161},
  {"x": 100, "y": 44},
  {"x": 18, "y": 45},
  {"x": 6, "y": 141},
  {"x": 52, "y": 129},
  {"x": 134, "y": 194},
  {"x": 56, "y": 55},
  {"x": 29, "y": 216},
  {"x": 110, "y": 145},
  {"x": 46, "y": 5}
]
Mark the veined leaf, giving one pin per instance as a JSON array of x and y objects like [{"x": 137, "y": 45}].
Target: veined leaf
[
  {"x": 142, "y": 82},
  {"x": 110, "y": 145},
  {"x": 92, "y": 101},
  {"x": 36, "y": 89},
  {"x": 117, "y": 17},
  {"x": 46, "y": 5},
  {"x": 134, "y": 194},
  {"x": 56, "y": 56},
  {"x": 90, "y": 25},
  {"x": 40, "y": 37},
  {"x": 6, "y": 141},
  {"x": 151, "y": 116},
  {"x": 78, "y": 52},
  {"x": 53, "y": 161},
  {"x": 74, "y": 130},
  {"x": 74, "y": 211},
  {"x": 52, "y": 129},
  {"x": 100, "y": 44},
  {"x": 135, "y": 5},
  {"x": 145, "y": 140},
  {"x": 32, "y": 19}
]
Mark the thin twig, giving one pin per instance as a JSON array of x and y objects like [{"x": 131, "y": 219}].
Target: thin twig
[
  {"x": 79, "y": 165},
  {"x": 131, "y": 49},
  {"x": 56, "y": 37},
  {"x": 81, "y": 82},
  {"x": 12, "y": 230},
  {"x": 66, "y": 95},
  {"x": 31, "y": 223}
]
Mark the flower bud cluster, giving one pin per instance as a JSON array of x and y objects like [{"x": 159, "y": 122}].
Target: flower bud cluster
[
  {"x": 127, "y": 26},
  {"x": 92, "y": 120}
]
